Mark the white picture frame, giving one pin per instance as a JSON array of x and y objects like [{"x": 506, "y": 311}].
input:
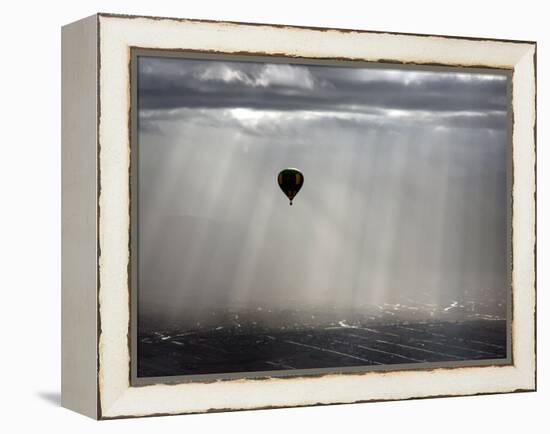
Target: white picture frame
[{"x": 96, "y": 281}]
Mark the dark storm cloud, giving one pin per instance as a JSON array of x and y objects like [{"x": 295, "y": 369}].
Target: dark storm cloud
[{"x": 181, "y": 83}]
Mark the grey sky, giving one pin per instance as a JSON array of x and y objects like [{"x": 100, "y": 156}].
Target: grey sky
[{"x": 404, "y": 193}]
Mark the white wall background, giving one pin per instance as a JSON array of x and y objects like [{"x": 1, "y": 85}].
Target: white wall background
[{"x": 30, "y": 217}]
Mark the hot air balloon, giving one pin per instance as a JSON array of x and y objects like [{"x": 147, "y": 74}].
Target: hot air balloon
[{"x": 290, "y": 180}]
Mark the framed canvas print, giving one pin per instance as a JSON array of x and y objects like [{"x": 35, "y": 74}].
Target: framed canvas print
[{"x": 260, "y": 216}]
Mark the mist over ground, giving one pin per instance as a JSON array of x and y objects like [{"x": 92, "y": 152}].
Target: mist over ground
[{"x": 404, "y": 203}]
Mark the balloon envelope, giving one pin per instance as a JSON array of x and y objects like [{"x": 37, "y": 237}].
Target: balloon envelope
[{"x": 290, "y": 180}]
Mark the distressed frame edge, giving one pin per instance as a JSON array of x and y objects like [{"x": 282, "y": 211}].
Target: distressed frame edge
[
  {"x": 530, "y": 49},
  {"x": 304, "y": 27},
  {"x": 79, "y": 274}
]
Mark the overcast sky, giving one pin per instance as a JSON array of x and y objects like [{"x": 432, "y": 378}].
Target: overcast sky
[{"x": 404, "y": 192}]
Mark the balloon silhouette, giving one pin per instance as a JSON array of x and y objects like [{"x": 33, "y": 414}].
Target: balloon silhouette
[{"x": 290, "y": 180}]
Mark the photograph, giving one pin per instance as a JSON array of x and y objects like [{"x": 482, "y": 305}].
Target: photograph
[
  {"x": 263, "y": 216},
  {"x": 295, "y": 217},
  {"x": 248, "y": 217}
]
